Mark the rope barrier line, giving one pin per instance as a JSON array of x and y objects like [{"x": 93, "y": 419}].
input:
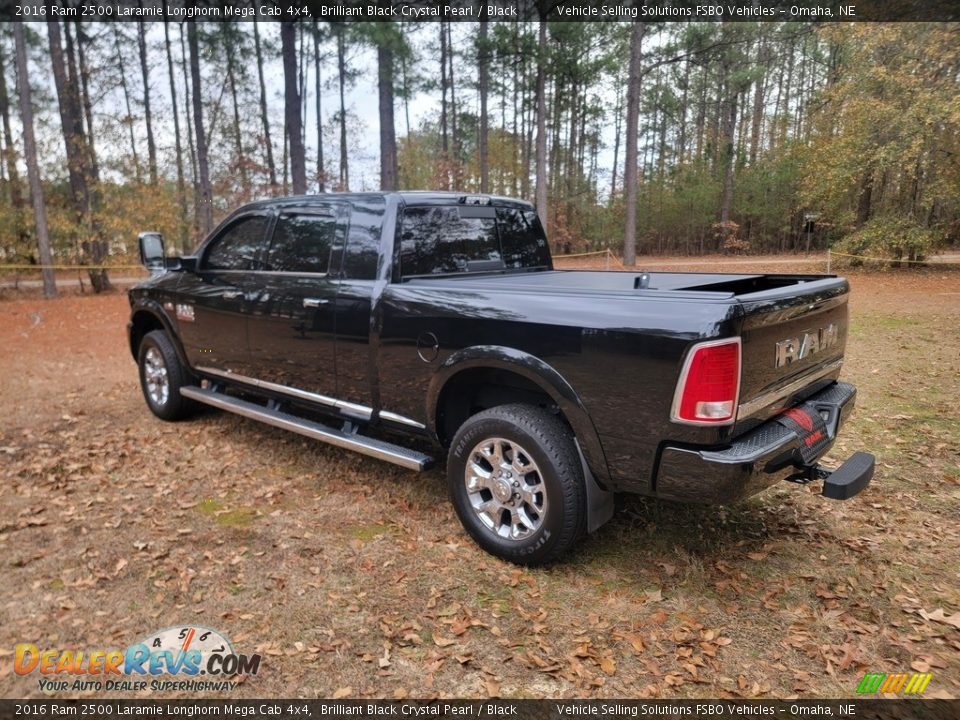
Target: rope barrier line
[
  {"x": 70, "y": 267},
  {"x": 608, "y": 252},
  {"x": 595, "y": 252}
]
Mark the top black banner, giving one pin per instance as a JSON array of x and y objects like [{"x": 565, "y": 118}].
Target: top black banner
[{"x": 490, "y": 10}]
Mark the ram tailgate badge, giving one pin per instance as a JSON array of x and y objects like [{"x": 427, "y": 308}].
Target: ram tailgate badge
[{"x": 810, "y": 343}]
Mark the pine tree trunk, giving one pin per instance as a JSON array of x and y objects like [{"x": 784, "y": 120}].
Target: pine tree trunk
[
  {"x": 285, "y": 164},
  {"x": 342, "y": 78},
  {"x": 865, "y": 198},
  {"x": 144, "y": 69},
  {"x": 237, "y": 131},
  {"x": 756, "y": 123},
  {"x": 126, "y": 98},
  {"x": 554, "y": 163},
  {"x": 188, "y": 113},
  {"x": 541, "y": 149},
  {"x": 634, "y": 78},
  {"x": 406, "y": 94},
  {"x": 788, "y": 83},
  {"x": 571, "y": 172},
  {"x": 298, "y": 164},
  {"x": 321, "y": 173},
  {"x": 388, "y": 134},
  {"x": 95, "y": 244},
  {"x": 483, "y": 63},
  {"x": 10, "y": 151},
  {"x": 444, "y": 136},
  {"x": 517, "y": 133},
  {"x": 454, "y": 134},
  {"x": 617, "y": 128},
  {"x": 30, "y": 156},
  {"x": 205, "y": 211},
  {"x": 178, "y": 146},
  {"x": 701, "y": 121},
  {"x": 264, "y": 118},
  {"x": 526, "y": 128},
  {"x": 302, "y": 87},
  {"x": 78, "y": 157},
  {"x": 682, "y": 132},
  {"x": 729, "y": 126},
  {"x": 87, "y": 104}
]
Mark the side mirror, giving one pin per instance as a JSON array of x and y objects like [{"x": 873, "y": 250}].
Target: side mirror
[{"x": 152, "y": 252}]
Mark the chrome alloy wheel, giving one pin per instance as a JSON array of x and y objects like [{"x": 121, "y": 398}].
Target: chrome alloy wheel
[
  {"x": 505, "y": 488},
  {"x": 155, "y": 376}
]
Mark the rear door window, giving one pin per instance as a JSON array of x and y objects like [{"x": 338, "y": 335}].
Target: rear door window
[{"x": 302, "y": 243}]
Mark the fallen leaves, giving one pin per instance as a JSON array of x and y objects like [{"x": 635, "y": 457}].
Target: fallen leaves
[
  {"x": 441, "y": 641},
  {"x": 608, "y": 665},
  {"x": 384, "y": 660},
  {"x": 789, "y": 592},
  {"x": 939, "y": 616}
]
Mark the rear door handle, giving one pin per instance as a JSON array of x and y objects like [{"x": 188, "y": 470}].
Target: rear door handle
[
  {"x": 314, "y": 302},
  {"x": 231, "y": 294}
]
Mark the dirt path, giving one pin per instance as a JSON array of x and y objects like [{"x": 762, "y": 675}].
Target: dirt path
[{"x": 348, "y": 573}]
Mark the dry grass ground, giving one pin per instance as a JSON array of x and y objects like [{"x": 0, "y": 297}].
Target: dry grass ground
[{"x": 354, "y": 576}]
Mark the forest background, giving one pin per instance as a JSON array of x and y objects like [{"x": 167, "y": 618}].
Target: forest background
[{"x": 642, "y": 138}]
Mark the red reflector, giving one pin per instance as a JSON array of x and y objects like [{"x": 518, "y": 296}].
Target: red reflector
[
  {"x": 800, "y": 418},
  {"x": 709, "y": 384}
]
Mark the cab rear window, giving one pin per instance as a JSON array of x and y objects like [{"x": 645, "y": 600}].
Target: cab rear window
[{"x": 454, "y": 239}]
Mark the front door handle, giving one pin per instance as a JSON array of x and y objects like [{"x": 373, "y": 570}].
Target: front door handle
[
  {"x": 231, "y": 294},
  {"x": 314, "y": 302}
]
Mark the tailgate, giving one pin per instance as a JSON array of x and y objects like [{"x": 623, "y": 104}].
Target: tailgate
[{"x": 793, "y": 341}]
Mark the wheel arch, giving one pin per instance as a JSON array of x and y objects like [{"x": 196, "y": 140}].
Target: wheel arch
[
  {"x": 145, "y": 319},
  {"x": 526, "y": 375}
]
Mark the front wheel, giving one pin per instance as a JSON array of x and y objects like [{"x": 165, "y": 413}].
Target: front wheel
[
  {"x": 517, "y": 484},
  {"x": 161, "y": 377}
]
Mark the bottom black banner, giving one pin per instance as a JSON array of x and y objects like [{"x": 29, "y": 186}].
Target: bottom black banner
[{"x": 525, "y": 709}]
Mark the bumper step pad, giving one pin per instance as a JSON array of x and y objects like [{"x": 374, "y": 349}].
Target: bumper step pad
[{"x": 850, "y": 478}]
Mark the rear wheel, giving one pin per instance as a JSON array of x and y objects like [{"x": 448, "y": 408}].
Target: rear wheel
[
  {"x": 517, "y": 485},
  {"x": 161, "y": 377}
]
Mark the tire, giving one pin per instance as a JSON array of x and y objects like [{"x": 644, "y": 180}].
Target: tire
[
  {"x": 161, "y": 377},
  {"x": 528, "y": 454}
]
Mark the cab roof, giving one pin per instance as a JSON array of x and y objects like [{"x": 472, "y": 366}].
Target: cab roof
[{"x": 406, "y": 197}]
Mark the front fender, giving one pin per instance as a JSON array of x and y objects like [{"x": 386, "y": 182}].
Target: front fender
[
  {"x": 536, "y": 371},
  {"x": 158, "y": 313}
]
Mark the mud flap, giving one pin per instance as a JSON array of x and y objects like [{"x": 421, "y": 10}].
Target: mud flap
[{"x": 599, "y": 501}]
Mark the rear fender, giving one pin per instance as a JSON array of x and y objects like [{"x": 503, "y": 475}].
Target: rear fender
[{"x": 536, "y": 371}]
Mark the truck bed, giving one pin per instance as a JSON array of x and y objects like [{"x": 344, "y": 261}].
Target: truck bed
[
  {"x": 766, "y": 310},
  {"x": 718, "y": 285}
]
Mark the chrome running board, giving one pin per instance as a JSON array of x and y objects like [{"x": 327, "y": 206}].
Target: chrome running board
[{"x": 379, "y": 449}]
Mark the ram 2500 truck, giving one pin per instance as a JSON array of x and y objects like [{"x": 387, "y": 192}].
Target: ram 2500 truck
[{"x": 413, "y": 326}]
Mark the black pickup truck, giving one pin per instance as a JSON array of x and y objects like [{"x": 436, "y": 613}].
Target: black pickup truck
[{"x": 407, "y": 325}]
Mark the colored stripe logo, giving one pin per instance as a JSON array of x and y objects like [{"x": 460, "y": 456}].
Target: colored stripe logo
[{"x": 906, "y": 683}]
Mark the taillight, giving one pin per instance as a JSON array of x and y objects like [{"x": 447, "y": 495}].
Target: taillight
[{"x": 709, "y": 386}]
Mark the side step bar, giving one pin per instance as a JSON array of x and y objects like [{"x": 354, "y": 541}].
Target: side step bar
[{"x": 396, "y": 454}]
